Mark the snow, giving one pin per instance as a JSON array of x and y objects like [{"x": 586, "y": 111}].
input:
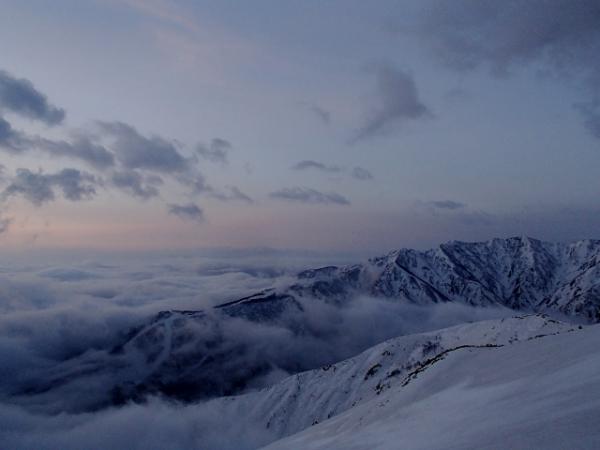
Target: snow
[
  {"x": 312, "y": 397},
  {"x": 539, "y": 393}
]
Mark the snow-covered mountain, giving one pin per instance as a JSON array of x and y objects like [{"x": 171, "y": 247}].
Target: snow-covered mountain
[
  {"x": 311, "y": 397},
  {"x": 536, "y": 393},
  {"x": 520, "y": 273},
  {"x": 251, "y": 342}
]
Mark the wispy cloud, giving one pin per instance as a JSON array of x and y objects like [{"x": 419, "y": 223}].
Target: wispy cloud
[
  {"x": 189, "y": 211},
  {"x": 315, "y": 165},
  {"x": 358, "y": 173},
  {"x": 396, "y": 102},
  {"x": 217, "y": 151},
  {"x": 447, "y": 204},
  {"x": 308, "y": 195},
  {"x": 361, "y": 173},
  {"x": 321, "y": 113}
]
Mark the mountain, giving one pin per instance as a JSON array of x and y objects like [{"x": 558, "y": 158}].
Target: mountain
[
  {"x": 312, "y": 397},
  {"x": 520, "y": 273},
  {"x": 536, "y": 393},
  {"x": 254, "y": 341}
]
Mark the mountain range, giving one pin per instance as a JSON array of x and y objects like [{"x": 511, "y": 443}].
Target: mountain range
[{"x": 254, "y": 341}]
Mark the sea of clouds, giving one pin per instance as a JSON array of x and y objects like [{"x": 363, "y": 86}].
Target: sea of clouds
[{"x": 54, "y": 315}]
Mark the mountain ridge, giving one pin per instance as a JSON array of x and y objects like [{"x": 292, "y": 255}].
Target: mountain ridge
[{"x": 225, "y": 350}]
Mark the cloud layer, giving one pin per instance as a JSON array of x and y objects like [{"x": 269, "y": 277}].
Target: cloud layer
[{"x": 55, "y": 313}]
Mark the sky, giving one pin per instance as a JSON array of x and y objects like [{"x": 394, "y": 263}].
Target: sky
[{"x": 330, "y": 126}]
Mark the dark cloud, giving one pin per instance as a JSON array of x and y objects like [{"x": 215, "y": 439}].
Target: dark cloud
[
  {"x": 315, "y": 165},
  {"x": 358, "y": 173},
  {"x": 197, "y": 183},
  {"x": 38, "y": 187},
  {"x": 308, "y": 195},
  {"x": 591, "y": 116},
  {"x": 216, "y": 152},
  {"x": 447, "y": 204},
  {"x": 233, "y": 193},
  {"x": 81, "y": 148},
  {"x": 237, "y": 194},
  {"x": 135, "y": 151},
  {"x": 466, "y": 34},
  {"x": 188, "y": 211},
  {"x": 397, "y": 101},
  {"x": 361, "y": 173},
  {"x": 10, "y": 139},
  {"x": 136, "y": 184},
  {"x": 322, "y": 114},
  {"x": 561, "y": 37},
  {"x": 5, "y": 223},
  {"x": 19, "y": 96}
]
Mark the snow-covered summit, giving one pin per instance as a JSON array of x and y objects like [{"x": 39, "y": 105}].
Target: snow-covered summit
[{"x": 520, "y": 273}]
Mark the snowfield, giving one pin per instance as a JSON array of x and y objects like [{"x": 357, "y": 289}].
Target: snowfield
[
  {"x": 534, "y": 394},
  {"x": 308, "y": 398}
]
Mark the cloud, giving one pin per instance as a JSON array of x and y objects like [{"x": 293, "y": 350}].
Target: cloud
[
  {"x": 138, "y": 185},
  {"x": 234, "y": 194},
  {"x": 68, "y": 323},
  {"x": 188, "y": 211},
  {"x": 322, "y": 114},
  {"x": 19, "y": 96},
  {"x": 38, "y": 187},
  {"x": 5, "y": 223},
  {"x": 358, "y": 173},
  {"x": 560, "y": 37},
  {"x": 215, "y": 152},
  {"x": 314, "y": 165},
  {"x": 10, "y": 139},
  {"x": 135, "y": 151},
  {"x": 591, "y": 116},
  {"x": 81, "y": 148},
  {"x": 361, "y": 174},
  {"x": 308, "y": 195},
  {"x": 396, "y": 102},
  {"x": 466, "y": 34},
  {"x": 447, "y": 204}
]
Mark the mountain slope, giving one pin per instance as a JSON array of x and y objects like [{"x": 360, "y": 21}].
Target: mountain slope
[
  {"x": 540, "y": 393},
  {"x": 311, "y": 397},
  {"x": 519, "y": 273}
]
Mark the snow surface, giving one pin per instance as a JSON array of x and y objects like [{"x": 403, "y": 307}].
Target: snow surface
[
  {"x": 539, "y": 393},
  {"x": 311, "y": 397}
]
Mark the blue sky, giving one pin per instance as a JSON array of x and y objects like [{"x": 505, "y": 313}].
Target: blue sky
[{"x": 421, "y": 122}]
